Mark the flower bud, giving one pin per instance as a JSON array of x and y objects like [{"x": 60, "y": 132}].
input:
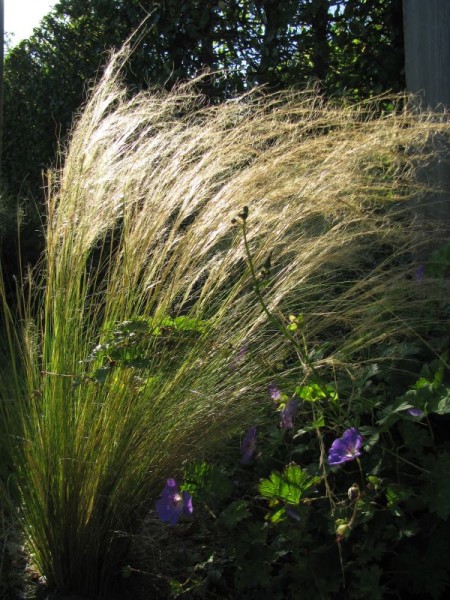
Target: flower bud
[
  {"x": 353, "y": 492},
  {"x": 343, "y": 531}
]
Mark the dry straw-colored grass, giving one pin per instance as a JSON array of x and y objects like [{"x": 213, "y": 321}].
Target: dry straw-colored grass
[{"x": 139, "y": 224}]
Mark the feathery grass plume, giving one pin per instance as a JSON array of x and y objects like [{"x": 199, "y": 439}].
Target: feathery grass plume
[{"x": 126, "y": 365}]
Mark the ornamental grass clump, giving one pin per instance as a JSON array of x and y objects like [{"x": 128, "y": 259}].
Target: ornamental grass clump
[{"x": 139, "y": 343}]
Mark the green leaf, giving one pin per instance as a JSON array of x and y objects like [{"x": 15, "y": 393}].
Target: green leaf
[
  {"x": 256, "y": 532},
  {"x": 429, "y": 392},
  {"x": 207, "y": 482},
  {"x": 396, "y": 494},
  {"x": 278, "y": 516},
  {"x": 100, "y": 375},
  {"x": 368, "y": 583},
  {"x": 440, "y": 404},
  {"x": 288, "y": 486},
  {"x": 233, "y": 514},
  {"x": 253, "y": 573},
  {"x": 393, "y": 412},
  {"x": 371, "y": 436},
  {"x": 319, "y": 422},
  {"x": 314, "y": 392},
  {"x": 176, "y": 588}
]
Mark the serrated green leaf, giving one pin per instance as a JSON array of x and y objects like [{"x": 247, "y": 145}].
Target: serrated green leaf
[
  {"x": 206, "y": 481},
  {"x": 278, "y": 516},
  {"x": 318, "y": 423},
  {"x": 256, "y": 532},
  {"x": 315, "y": 392},
  {"x": 396, "y": 494},
  {"x": 288, "y": 486},
  {"x": 234, "y": 514},
  {"x": 440, "y": 404}
]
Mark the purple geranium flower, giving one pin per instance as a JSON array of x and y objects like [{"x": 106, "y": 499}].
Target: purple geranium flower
[
  {"x": 292, "y": 513},
  {"x": 346, "y": 448},
  {"x": 274, "y": 392},
  {"x": 415, "y": 412},
  {"x": 248, "y": 446},
  {"x": 288, "y": 413},
  {"x": 420, "y": 273},
  {"x": 172, "y": 504}
]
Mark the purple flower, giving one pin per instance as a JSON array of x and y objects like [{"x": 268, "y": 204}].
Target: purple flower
[
  {"x": 274, "y": 392},
  {"x": 292, "y": 513},
  {"x": 346, "y": 448},
  {"x": 288, "y": 413},
  {"x": 420, "y": 273},
  {"x": 172, "y": 504},
  {"x": 248, "y": 446},
  {"x": 415, "y": 412}
]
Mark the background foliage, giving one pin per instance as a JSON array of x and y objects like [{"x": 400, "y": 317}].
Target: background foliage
[{"x": 352, "y": 47}]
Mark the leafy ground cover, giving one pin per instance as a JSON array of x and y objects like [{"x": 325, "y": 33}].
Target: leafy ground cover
[{"x": 300, "y": 509}]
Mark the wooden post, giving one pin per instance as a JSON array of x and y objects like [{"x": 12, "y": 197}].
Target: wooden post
[
  {"x": 427, "y": 51},
  {"x": 427, "y": 64}
]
